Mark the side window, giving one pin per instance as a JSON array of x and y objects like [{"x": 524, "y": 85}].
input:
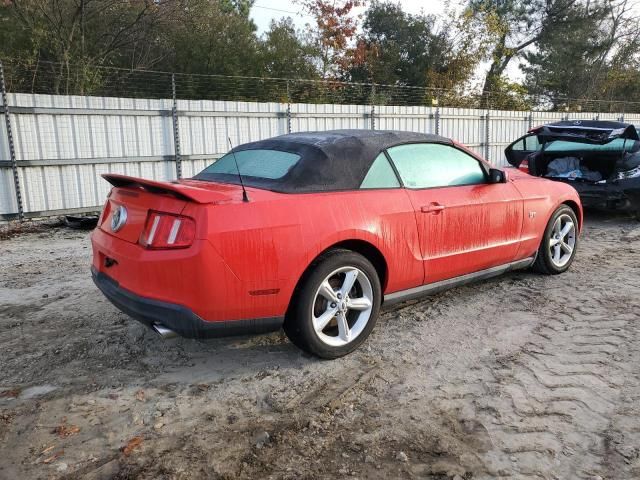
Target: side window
[
  {"x": 531, "y": 143},
  {"x": 380, "y": 175},
  {"x": 518, "y": 146},
  {"x": 428, "y": 165},
  {"x": 528, "y": 143}
]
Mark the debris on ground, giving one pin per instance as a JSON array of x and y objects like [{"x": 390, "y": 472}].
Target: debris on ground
[{"x": 131, "y": 445}]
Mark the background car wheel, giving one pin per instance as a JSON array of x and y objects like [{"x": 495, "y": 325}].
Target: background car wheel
[
  {"x": 559, "y": 242},
  {"x": 336, "y": 305}
]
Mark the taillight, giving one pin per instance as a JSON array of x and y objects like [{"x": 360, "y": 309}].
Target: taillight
[
  {"x": 105, "y": 211},
  {"x": 164, "y": 230},
  {"x": 524, "y": 166}
]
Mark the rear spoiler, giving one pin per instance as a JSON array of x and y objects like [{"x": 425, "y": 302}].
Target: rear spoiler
[
  {"x": 594, "y": 132},
  {"x": 178, "y": 190}
]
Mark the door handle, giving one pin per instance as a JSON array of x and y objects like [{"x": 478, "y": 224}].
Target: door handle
[{"x": 434, "y": 208}]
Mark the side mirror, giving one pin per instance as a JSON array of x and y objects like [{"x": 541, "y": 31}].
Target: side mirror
[{"x": 497, "y": 176}]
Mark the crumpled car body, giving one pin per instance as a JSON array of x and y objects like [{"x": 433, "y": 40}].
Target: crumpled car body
[{"x": 600, "y": 159}]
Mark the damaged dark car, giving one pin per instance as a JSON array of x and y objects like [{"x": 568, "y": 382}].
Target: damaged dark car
[{"x": 601, "y": 159}]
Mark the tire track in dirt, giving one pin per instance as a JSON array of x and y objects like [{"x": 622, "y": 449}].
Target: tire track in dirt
[
  {"x": 565, "y": 405},
  {"x": 522, "y": 376}
]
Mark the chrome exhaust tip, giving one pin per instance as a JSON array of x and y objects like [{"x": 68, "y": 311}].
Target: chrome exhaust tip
[{"x": 164, "y": 332}]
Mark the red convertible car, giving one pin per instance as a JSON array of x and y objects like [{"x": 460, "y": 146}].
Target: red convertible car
[{"x": 315, "y": 231}]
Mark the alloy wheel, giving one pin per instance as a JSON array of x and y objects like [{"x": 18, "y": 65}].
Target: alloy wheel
[
  {"x": 342, "y": 306},
  {"x": 563, "y": 240}
]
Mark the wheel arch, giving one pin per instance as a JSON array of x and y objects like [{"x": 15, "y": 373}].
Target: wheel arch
[
  {"x": 367, "y": 249},
  {"x": 576, "y": 209}
]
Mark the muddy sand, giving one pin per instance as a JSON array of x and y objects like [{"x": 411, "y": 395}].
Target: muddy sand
[{"x": 522, "y": 376}]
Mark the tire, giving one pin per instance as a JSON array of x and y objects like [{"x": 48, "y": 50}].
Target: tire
[
  {"x": 548, "y": 262},
  {"x": 313, "y": 305}
]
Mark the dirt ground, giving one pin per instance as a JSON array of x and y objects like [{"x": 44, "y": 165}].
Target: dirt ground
[{"x": 523, "y": 376}]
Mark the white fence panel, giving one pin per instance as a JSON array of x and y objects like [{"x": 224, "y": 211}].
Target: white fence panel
[
  {"x": 413, "y": 119},
  {"x": 311, "y": 117},
  {"x": 633, "y": 118},
  {"x": 465, "y": 125},
  {"x": 8, "y": 203},
  {"x": 64, "y": 143},
  {"x": 504, "y": 128},
  {"x": 206, "y": 126}
]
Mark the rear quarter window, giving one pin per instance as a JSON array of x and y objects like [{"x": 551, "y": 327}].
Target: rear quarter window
[{"x": 380, "y": 175}]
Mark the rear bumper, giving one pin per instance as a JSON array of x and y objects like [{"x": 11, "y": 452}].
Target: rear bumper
[
  {"x": 175, "y": 317},
  {"x": 621, "y": 193}
]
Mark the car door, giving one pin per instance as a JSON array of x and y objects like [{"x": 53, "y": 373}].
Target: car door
[
  {"x": 465, "y": 224},
  {"x": 521, "y": 149}
]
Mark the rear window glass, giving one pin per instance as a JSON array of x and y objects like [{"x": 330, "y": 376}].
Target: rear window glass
[
  {"x": 271, "y": 164},
  {"x": 613, "y": 146}
]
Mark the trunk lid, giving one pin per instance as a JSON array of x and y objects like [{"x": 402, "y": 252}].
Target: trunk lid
[
  {"x": 585, "y": 131},
  {"x": 133, "y": 198},
  {"x": 190, "y": 190}
]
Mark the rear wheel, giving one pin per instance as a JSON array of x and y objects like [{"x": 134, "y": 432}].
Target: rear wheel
[
  {"x": 559, "y": 242},
  {"x": 336, "y": 306}
]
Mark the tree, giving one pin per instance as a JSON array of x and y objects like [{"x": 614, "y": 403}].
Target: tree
[
  {"x": 285, "y": 54},
  {"x": 515, "y": 25},
  {"x": 563, "y": 65},
  {"x": 212, "y": 37},
  {"x": 83, "y": 32},
  {"x": 398, "y": 48},
  {"x": 335, "y": 27},
  {"x": 597, "y": 58},
  {"x": 622, "y": 80}
]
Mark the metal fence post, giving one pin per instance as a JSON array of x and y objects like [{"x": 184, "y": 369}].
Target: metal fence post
[
  {"x": 373, "y": 107},
  {"x": 437, "y": 117},
  {"x": 176, "y": 131},
  {"x": 530, "y": 120},
  {"x": 12, "y": 148},
  {"x": 288, "y": 108},
  {"x": 487, "y": 135}
]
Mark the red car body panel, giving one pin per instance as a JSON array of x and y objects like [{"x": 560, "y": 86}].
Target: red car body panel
[
  {"x": 247, "y": 257},
  {"x": 258, "y": 250},
  {"x": 539, "y": 202}
]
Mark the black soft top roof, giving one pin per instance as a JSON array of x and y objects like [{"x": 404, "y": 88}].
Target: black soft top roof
[
  {"x": 329, "y": 160},
  {"x": 585, "y": 131}
]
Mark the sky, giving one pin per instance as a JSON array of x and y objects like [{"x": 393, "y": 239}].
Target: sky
[{"x": 266, "y": 10}]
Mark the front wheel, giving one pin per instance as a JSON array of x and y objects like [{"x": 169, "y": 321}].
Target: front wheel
[
  {"x": 559, "y": 242},
  {"x": 336, "y": 306}
]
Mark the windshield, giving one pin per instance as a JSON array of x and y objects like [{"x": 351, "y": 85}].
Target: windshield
[{"x": 261, "y": 164}]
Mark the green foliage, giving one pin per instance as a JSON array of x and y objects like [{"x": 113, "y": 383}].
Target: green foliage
[
  {"x": 397, "y": 47},
  {"x": 567, "y": 61},
  {"x": 285, "y": 54},
  {"x": 586, "y": 54},
  {"x": 211, "y": 38},
  {"x": 566, "y": 49},
  {"x": 334, "y": 28}
]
